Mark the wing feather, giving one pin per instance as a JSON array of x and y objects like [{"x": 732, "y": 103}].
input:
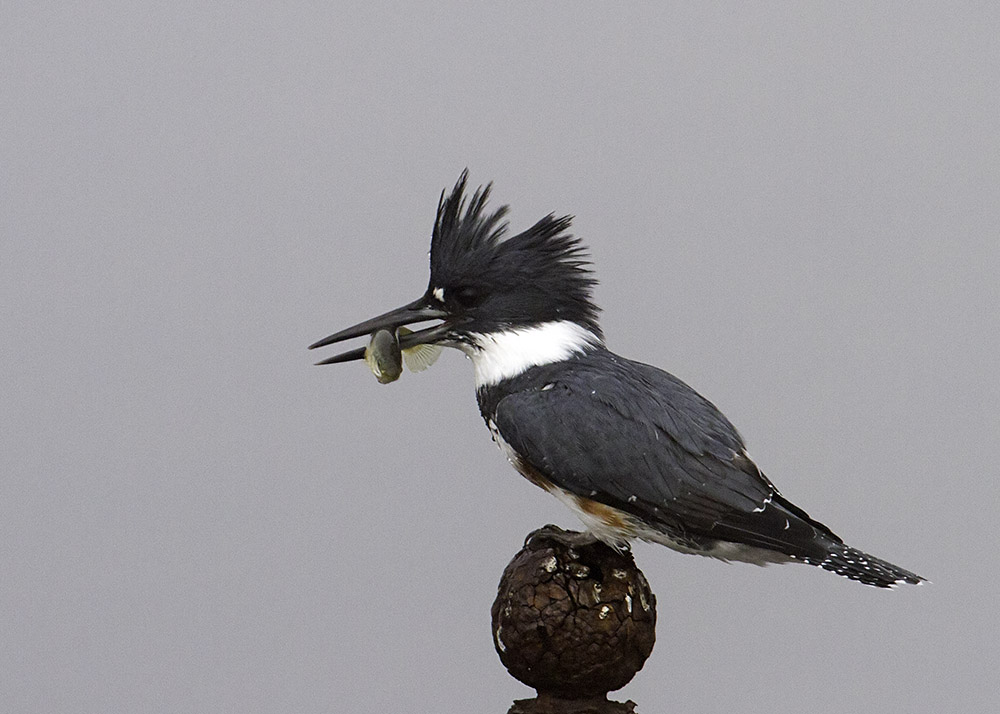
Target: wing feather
[{"x": 638, "y": 439}]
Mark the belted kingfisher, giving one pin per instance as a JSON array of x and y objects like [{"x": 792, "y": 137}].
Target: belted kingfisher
[{"x": 633, "y": 450}]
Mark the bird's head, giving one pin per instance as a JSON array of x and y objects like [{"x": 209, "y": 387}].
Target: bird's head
[{"x": 487, "y": 290}]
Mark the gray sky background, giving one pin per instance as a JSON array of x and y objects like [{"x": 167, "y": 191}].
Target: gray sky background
[{"x": 793, "y": 207}]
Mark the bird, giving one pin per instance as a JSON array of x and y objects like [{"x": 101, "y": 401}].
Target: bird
[{"x": 634, "y": 451}]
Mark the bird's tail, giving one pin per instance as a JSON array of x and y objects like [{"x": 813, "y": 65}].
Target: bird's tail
[{"x": 856, "y": 565}]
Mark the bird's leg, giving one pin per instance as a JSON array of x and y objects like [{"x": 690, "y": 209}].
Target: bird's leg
[{"x": 570, "y": 539}]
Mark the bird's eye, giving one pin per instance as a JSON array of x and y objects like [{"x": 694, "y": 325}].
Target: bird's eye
[{"x": 465, "y": 296}]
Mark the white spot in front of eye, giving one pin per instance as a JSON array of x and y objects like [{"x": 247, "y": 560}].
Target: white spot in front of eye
[{"x": 438, "y": 293}]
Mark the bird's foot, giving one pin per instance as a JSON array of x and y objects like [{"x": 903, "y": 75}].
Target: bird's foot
[{"x": 569, "y": 539}]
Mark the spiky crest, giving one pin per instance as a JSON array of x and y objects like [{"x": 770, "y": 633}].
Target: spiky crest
[
  {"x": 458, "y": 237},
  {"x": 539, "y": 275}
]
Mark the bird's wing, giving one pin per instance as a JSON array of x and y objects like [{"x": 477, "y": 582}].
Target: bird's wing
[{"x": 640, "y": 440}]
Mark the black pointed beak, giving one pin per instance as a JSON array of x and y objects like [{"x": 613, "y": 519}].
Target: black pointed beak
[{"x": 418, "y": 311}]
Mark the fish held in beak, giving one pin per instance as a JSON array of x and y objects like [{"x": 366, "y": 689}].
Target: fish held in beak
[{"x": 385, "y": 358}]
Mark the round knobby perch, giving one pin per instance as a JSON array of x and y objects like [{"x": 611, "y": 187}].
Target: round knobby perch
[{"x": 575, "y": 619}]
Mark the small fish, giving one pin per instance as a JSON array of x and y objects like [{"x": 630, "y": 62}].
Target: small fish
[
  {"x": 420, "y": 357},
  {"x": 385, "y": 358}
]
